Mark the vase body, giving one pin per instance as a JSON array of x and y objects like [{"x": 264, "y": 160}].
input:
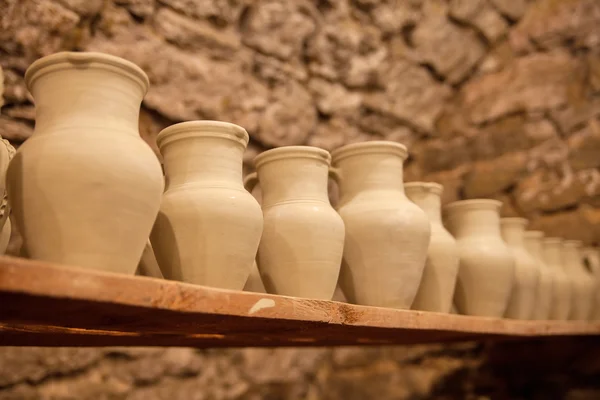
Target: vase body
[
  {"x": 592, "y": 259},
  {"x": 209, "y": 226},
  {"x": 302, "y": 245},
  {"x": 85, "y": 188},
  {"x": 436, "y": 289},
  {"x": 582, "y": 283},
  {"x": 561, "y": 289},
  {"x": 486, "y": 271},
  {"x": 387, "y": 235},
  {"x": 254, "y": 282},
  {"x": 525, "y": 286},
  {"x": 533, "y": 244}
]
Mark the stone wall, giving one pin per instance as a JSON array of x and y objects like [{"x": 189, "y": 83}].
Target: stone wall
[{"x": 494, "y": 98}]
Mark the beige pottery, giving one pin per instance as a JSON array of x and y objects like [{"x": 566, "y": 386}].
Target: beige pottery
[
  {"x": 543, "y": 303},
  {"x": 85, "y": 188},
  {"x": 148, "y": 266},
  {"x": 436, "y": 289},
  {"x": 527, "y": 274},
  {"x": 582, "y": 283},
  {"x": 209, "y": 226},
  {"x": 592, "y": 258},
  {"x": 387, "y": 235},
  {"x": 561, "y": 289},
  {"x": 7, "y": 152},
  {"x": 487, "y": 267},
  {"x": 302, "y": 244},
  {"x": 254, "y": 282}
]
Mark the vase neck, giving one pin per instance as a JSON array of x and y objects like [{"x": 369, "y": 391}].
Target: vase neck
[
  {"x": 513, "y": 231},
  {"x": 552, "y": 254},
  {"x": 571, "y": 259},
  {"x": 476, "y": 221},
  {"x": 428, "y": 199},
  {"x": 86, "y": 98},
  {"x": 534, "y": 246},
  {"x": 370, "y": 172}
]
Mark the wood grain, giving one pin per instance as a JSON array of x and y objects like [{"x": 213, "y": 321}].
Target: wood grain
[{"x": 49, "y": 305}]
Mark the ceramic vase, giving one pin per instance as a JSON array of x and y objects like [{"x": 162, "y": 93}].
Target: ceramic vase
[
  {"x": 387, "y": 235},
  {"x": 208, "y": 228},
  {"x": 487, "y": 267},
  {"x": 436, "y": 289},
  {"x": 85, "y": 188},
  {"x": 561, "y": 289},
  {"x": 582, "y": 283},
  {"x": 302, "y": 244},
  {"x": 525, "y": 286},
  {"x": 591, "y": 256},
  {"x": 533, "y": 244},
  {"x": 254, "y": 282}
]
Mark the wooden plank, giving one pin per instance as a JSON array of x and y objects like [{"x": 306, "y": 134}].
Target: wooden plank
[{"x": 48, "y": 305}]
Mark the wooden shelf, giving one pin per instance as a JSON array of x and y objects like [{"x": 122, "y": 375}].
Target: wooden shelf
[{"x": 49, "y": 305}]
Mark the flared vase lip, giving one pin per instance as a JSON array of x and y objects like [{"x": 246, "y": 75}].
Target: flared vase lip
[
  {"x": 534, "y": 234},
  {"x": 473, "y": 204},
  {"x": 204, "y": 128},
  {"x": 288, "y": 152},
  {"x": 514, "y": 221},
  {"x": 430, "y": 187},
  {"x": 74, "y": 60},
  {"x": 374, "y": 146}
]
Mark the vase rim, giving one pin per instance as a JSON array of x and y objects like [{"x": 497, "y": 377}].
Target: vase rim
[
  {"x": 514, "y": 221},
  {"x": 374, "y": 146},
  {"x": 473, "y": 204},
  {"x": 534, "y": 234},
  {"x": 74, "y": 59},
  {"x": 431, "y": 187},
  {"x": 287, "y": 152},
  {"x": 205, "y": 128}
]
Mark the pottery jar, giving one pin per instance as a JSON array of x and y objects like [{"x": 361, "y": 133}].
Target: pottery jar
[
  {"x": 591, "y": 256},
  {"x": 209, "y": 226},
  {"x": 85, "y": 188},
  {"x": 487, "y": 267},
  {"x": 387, "y": 235},
  {"x": 527, "y": 275},
  {"x": 582, "y": 283},
  {"x": 533, "y": 244},
  {"x": 436, "y": 289},
  {"x": 561, "y": 289},
  {"x": 302, "y": 244}
]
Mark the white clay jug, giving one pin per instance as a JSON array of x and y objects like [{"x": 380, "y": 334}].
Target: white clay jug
[
  {"x": 582, "y": 283},
  {"x": 592, "y": 259},
  {"x": 387, "y": 235},
  {"x": 85, "y": 188},
  {"x": 303, "y": 238},
  {"x": 561, "y": 289},
  {"x": 486, "y": 272},
  {"x": 543, "y": 303},
  {"x": 523, "y": 297},
  {"x": 436, "y": 289},
  {"x": 208, "y": 228}
]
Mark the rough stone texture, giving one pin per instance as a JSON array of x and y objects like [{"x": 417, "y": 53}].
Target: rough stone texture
[{"x": 494, "y": 98}]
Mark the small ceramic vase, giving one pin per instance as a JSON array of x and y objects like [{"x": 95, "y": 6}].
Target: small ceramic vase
[
  {"x": 582, "y": 283},
  {"x": 254, "y": 282},
  {"x": 561, "y": 289},
  {"x": 592, "y": 259},
  {"x": 302, "y": 244},
  {"x": 85, "y": 188},
  {"x": 527, "y": 275},
  {"x": 436, "y": 290},
  {"x": 487, "y": 267},
  {"x": 209, "y": 226},
  {"x": 387, "y": 235},
  {"x": 533, "y": 244}
]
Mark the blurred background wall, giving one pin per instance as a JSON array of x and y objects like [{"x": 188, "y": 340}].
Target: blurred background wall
[{"x": 494, "y": 98}]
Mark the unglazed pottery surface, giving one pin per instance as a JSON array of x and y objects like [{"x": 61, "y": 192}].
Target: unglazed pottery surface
[
  {"x": 533, "y": 244},
  {"x": 85, "y": 188},
  {"x": 208, "y": 228},
  {"x": 486, "y": 272},
  {"x": 254, "y": 282},
  {"x": 387, "y": 235},
  {"x": 523, "y": 297},
  {"x": 592, "y": 257},
  {"x": 7, "y": 152},
  {"x": 582, "y": 283},
  {"x": 303, "y": 238},
  {"x": 436, "y": 289},
  {"x": 561, "y": 289}
]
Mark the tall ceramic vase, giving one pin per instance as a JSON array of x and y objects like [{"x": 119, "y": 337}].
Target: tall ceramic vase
[
  {"x": 592, "y": 259},
  {"x": 209, "y": 226},
  {"x": 582, "y": 284},
  {"x": 543, "y": 303},
  {"x": 436, "y": 289},
  {"x": 301, "y": 249},
  {"x": 387, "y": 235},
  {"x": 486, "y": 272},
  {"x": 85, "y": 188},
  {"x": 561, "y": 289},
  {"x": 523, "y": 297}
]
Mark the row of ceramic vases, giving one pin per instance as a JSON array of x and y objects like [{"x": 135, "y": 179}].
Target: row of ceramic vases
[{"x": 86, "y": 190}]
